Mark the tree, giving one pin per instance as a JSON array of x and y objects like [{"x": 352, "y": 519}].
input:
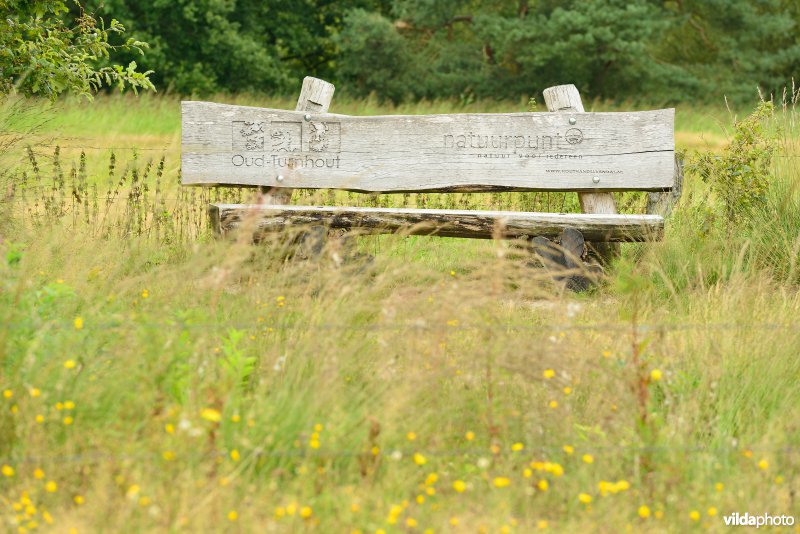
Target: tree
[
  {"x": 732, "y": 47},
  {"x": 40, "y": 54},
  {"x": 206, "y": 46}
]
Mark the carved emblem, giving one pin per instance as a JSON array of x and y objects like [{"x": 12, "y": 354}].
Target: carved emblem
[
  {"x": 286, "y": 137},
  {"x": 248, "y": 136},
  {"x": 574, "y": 136},
  {"x": 324, "y": 137},
  {"x": 319, "y": 141}
]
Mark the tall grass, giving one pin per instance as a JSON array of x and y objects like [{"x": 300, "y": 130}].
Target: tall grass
[{"x": 154, "y": 379}]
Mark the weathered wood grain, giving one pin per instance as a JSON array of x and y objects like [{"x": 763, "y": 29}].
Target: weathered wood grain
[
  {"x": 223, "y": 144},
  {"x": 662, "y": 203},
  {"x": 316, "y": 96},
  {"x": 445, "y": 223},
  {"x": 567, "y": 99}
]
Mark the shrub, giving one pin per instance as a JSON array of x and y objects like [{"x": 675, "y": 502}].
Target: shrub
[{"x": 740, "y": 176}]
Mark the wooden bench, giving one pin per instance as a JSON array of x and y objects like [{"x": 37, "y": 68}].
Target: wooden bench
[{"x": 565, "y": 149}]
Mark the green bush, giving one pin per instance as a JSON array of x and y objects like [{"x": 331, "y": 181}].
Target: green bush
[
  {"x": 42, "y": 54},
  {"x": 741, "y": 175}
]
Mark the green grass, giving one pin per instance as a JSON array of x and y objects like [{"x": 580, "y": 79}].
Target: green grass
[{"x": 181, "y": 378}]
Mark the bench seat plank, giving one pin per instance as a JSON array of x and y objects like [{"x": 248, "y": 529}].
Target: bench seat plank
[{"x": 438, "y": 222}]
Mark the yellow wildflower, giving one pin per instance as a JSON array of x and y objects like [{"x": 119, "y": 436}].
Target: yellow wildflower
[
  {"x": 459, "y": 485},
  {"x": 501, "y": 482},
  {"x": 235, "y": 455},
  {"x": 7, "y": 471},
  {"x": 588, "y": 458},
  {"x": 655, "y": 375},
  {"x": 584, "y": 498},
  {"x": 470, "y": 435},
  {"x": 556, "y": 469},
  {"x": 644, "y": 512},
  {"x": 305, "y": 512},
  {"x": 694, "y": 515},
  {"x": 51, "y": 486},
  {"x": 712, "y": 512},
  {"x": 38, "y": 473},
  {"x": 411, "y": 436},
  {"x": 548, "y": 373},
  {"x": 543, "y": 485},
  {"x": 419, "y": 459},
  {"x": 569, "y": 449},
  {"x": 233, "y": 515},
  {"x": 517, "y": 447},
  {"x": 78, "y": 323},
  {"x": 210, "y": 414},
  {"x": 70, "y": 364},
  {"x": 763, "y": 464}
]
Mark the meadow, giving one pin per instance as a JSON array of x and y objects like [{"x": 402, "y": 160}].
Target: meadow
[{"x": 156, "y": 379}]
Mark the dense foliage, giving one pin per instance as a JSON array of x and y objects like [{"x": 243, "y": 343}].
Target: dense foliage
[
  {"x": 741, "y": 174},
  {"x": 399, "y": 49},
  {"x": 42, "y": 53}
]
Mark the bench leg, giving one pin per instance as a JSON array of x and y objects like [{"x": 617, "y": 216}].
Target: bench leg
[{"x": 564, "y": 260}]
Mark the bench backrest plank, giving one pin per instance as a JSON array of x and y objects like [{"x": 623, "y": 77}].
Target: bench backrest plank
[{"x": 237, "y": 145}]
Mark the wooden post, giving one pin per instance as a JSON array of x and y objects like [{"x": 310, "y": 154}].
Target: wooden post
[
  {"x": 315, "y": 97},
  {"x": 567, "y": 99},
  {"x": 662, "y": 203}
]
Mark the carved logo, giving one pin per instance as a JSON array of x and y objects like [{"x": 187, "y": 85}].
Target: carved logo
[
  {"x": 248, "y": 136},
  {"x": 574, "y": 136},
  {"x": 324, "y": 137},
  {"x": 286, "y": 137}
]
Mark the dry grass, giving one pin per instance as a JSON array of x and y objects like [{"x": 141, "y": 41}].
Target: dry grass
[{"x": 166, "y": 381}]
